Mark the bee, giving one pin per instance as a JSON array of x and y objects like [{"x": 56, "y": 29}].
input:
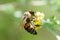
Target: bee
[
  {"x": 28, "y": 25},
  {"x": 32, "y": 21}
]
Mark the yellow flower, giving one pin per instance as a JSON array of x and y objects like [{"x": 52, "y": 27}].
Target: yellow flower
[
  {"x": 39, "y": 15},
  {"x": 38, "y": 24},
  {"x": 38, "y": 21}
]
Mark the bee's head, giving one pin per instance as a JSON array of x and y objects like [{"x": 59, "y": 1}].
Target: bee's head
[{"x": 32, "y": 12}]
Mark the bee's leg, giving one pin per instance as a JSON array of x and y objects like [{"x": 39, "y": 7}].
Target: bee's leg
[{"x": 37, "y": 25}]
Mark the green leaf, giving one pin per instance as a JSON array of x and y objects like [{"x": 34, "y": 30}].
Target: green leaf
[{"x": 53, "y": 25}]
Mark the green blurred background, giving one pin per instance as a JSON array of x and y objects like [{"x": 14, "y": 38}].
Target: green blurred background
[{"x": 11, "y": 12}]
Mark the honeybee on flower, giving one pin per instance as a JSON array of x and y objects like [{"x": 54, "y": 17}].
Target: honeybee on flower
[{"x": 32, "y": 21}]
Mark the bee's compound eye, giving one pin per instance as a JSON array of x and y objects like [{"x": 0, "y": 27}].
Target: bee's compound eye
[{"x": 32, "y": 12}]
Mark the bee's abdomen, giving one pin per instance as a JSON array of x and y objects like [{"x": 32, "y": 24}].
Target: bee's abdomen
[
  {"x": 30, "y": 30},
  {"x": 33, "y": 31}
]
